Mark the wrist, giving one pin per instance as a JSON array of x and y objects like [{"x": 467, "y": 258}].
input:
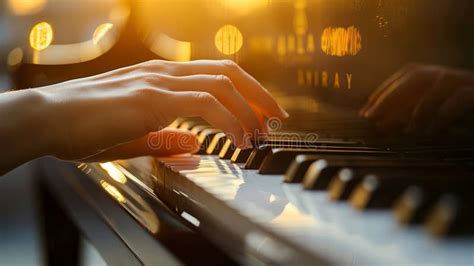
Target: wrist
[
  {"x": 38, "y": 120},
  {"x": 23, "y": 131}
]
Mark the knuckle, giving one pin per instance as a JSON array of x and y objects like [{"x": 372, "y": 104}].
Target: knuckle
[
  {"x": 225, "y": 81},
  {"x": 229, "y": 65},
  {"x": 155, "y": 64},
  {"x": 154, "y": 79},
  {"x": 205, "y": 98}
]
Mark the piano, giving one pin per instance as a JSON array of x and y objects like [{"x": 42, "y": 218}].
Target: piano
[{"x": 326, "y": 188}]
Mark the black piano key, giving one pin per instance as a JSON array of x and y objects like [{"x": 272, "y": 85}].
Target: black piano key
[
  {"x": 205, "y": 137},
  {"x": 279, "y": 159},
  {"x": 216, "y": 144},
  {"x": 227, "y": 150},
  {"x": 369, "y": 195},
  {"x": 452, "y": 215},
  {"x": 257, "y": 156},
  {"x": 343, "y": 184},
  {"x": 319, "y": 176},
  {"x": 380, "y": 190},
  {"x": 413, "y": 205},
  {"x": 297, "y": 169},
  {"x": 415, "y": 202},
  {"x": 240, "y": 155}
]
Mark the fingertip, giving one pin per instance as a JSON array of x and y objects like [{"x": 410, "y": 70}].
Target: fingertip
[{"x": 283, "y": 113}]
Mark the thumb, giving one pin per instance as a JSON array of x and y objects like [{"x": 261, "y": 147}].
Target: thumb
[{"x": 161, "y": 143}]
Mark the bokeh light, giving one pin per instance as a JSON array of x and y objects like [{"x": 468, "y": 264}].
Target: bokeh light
[
  {"x": 101, "y": 31},
  {"x": 170, "y": 48},
  {"x": 341, "y": 41},
  {"x": 41, "y": 36},
  {"x": 114, "y": 172},
  {"x": 15, "y": 57},
  {"x": 228, "y": 40},
  {"x": 113, "y": 191},
  {"x": 244, "y": 7},
  {"x": 26, "y": 7}
]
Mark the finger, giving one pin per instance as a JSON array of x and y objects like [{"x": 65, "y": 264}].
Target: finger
[
  {"x": 386, "y": 84},
  {"x": 444, "y": 86},
  {"x": 219, "y": 86},
  {"x": 205, "y": 105},
  {"x": 456, "y": 107},
  {"x": 433, "y": 97},
  {"x": 402, "y": 93},
  {"x": 162, "y": 143},
  {"x": 250, "y": 88}
]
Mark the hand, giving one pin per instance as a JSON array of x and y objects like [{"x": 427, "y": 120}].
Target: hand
[
  {"x": 421, "y": 99},
  {"x": 112, "y": 115}
]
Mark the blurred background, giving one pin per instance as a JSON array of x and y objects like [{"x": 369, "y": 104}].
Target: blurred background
[{"x": 319, "y": 58}]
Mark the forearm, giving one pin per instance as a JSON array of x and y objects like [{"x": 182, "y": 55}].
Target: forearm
[{"x": 23, "y": 128}]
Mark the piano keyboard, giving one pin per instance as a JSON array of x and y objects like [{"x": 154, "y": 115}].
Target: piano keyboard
[{"x": 290, "y": 201}]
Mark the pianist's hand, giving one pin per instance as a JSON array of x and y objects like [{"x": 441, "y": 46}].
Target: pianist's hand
[
  {"x": 422, "y": 100},
  {"x": 112, "y": 115}
]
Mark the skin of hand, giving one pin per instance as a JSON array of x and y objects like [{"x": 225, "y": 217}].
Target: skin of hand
[
  {"x": 421, "y": 100},
  {"x": 116, "y": 114}
]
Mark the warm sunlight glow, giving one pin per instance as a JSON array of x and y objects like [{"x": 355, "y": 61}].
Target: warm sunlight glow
[
  {"x": 170, "y": 48},
  {"x": 26, "y": 7},
  {"x": 101, "y": 31},
  {"x": 114, "y": 172},
  {"x": 228, "y": 40},
  {"x": 41, "y": 36},
  {"x": 245, "y": 6},
  {"x": 341, "y": 41},
  {"x": 113, "y": 191}
]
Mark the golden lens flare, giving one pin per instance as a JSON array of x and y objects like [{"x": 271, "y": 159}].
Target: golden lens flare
[
  {"x": 41, "y": 36},
  {"x": 171, "y": 49},
  {"x": 341, "y": 41},
  {"x": 26, "y": 7},
  {"x": 228, "y": 40},
  {"x": 243, "y": 7},
  {"x": 114, "y": 172},
  {"x": 101, "y": 31},
  {"x": 113, "y": 191}
]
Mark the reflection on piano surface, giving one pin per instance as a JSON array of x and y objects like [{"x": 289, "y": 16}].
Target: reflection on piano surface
[
  {"x": 338, "y": 198},
  {"x": 326, "y": 201}
]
